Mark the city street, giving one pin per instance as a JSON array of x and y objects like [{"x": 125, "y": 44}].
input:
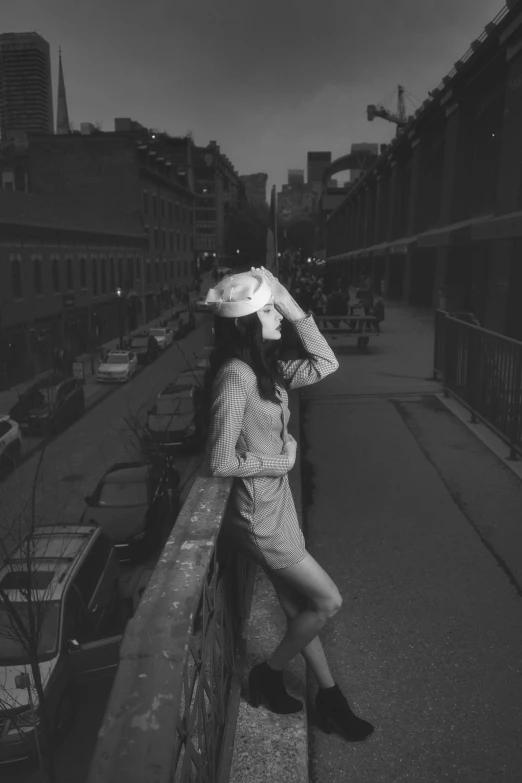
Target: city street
[
  {"x": 72, "y": 465},
  {"x": 73, "y": 462}
]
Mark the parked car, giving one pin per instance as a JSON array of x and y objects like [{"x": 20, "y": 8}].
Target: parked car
[
  {"x": 10, "y": 441},
  {"x": 174, "y": 419},
  {"x": 163, "y": 336},
  {"x": 145, "y": 347},
  {"x": 49, "y": 405},
  {"x": 118, "y": 366},
  {"x": 73, "y": 586},
  {"x": 186, "y": 322},
  {"x": 135, "y": 504}
]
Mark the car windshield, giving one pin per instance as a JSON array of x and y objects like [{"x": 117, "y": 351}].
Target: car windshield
[
  {"x": 123, "y": 493},
  {"x": 15, "y": 620},
  {"x": 157, "y": 332},
  {"x": 114, "y": 358},
  {"x": 180, "y": 406}
]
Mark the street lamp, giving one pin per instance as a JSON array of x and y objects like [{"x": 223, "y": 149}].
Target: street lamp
[{"x": 119, "y": 294}]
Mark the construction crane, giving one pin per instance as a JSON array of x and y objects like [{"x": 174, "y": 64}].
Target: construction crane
[{"x": 399, "y": 118}]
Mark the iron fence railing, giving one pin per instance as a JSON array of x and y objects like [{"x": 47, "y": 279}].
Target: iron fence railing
[
  {"x": 173, "y": 707},
  {"x": 483, "y": 370}
]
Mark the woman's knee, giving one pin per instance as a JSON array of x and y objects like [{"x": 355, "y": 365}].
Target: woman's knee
[{"x": 330, "y": 604}]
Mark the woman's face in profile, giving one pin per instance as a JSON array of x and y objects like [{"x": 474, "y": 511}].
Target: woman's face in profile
[{"x": 270, "y": 321}]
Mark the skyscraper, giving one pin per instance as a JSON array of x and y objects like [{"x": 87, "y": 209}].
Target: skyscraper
[
  {"x": 317, "y": 163},
  {"x": 26, "y": 99}
]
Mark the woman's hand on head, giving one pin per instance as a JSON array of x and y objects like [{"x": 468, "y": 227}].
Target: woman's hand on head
[{"x": 279, "y": 292}]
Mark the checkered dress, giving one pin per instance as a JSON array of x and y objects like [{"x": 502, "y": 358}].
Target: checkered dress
[{"x": 245, "y": 440}]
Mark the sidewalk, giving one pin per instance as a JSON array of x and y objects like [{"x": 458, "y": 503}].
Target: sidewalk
[{"x": 418, "y": 523}]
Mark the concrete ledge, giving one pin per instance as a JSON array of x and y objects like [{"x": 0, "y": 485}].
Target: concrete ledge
[{"x": 272, "y": 748}]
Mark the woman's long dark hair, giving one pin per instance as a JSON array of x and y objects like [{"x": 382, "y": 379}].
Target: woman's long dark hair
[{"x": 244, "y": 341}]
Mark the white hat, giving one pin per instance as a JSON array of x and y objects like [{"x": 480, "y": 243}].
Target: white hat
[{"x": 239, "y": 295}]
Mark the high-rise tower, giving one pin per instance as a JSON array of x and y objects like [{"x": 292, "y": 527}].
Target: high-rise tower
[
  {"x": 62, "y": 115},
  {"x": 26, "y": 99}
]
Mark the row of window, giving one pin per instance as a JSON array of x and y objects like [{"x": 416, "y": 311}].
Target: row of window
[
  {"x": 160, "y": 240},
  {"x": 167, "y": 210},
  {"x": 104, "y": 277}
]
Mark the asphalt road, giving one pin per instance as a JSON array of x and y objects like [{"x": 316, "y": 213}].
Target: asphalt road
[
  {"x": 70, "y": 466},
  {"x": 69, "y": 469}
]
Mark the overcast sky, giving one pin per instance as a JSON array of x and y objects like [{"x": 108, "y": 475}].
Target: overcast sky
[{"x": 267, "y": 79}]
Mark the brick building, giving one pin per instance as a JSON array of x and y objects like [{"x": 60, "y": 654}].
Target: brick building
[
  {"x": 124, "y": 172},
  {"x": 60, "y": 265}
]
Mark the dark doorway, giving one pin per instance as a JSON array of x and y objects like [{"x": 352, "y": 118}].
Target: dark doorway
[{"x": 423, "y": 264}]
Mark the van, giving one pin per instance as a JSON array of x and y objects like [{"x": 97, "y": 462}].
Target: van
[{"x": 73, "y": 582}]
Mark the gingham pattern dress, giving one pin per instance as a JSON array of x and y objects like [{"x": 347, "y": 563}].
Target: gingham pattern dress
[{"x": 245, "y": 440}]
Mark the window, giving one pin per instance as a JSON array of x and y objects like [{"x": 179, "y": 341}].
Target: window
[
  {"x": 103, "y": 275},
  {"x": 112, "y": 274},
  {"x": 56, "y": 275},
  {"x": 120, "y": 272},
  {"x": 178, "y": 241},
  {"x": 130, "y": 272},
  {"x": 69, "y": 274},
  {"x": 138, "y": 268},
  {"x": 171, "y": 240},
  {"x": 94, "y": 266},
  {"x": 185, "y": 270},
  {"x": 170, "y": 209},
  {"x": 83, "y": 272},
  {"x": 163, "y": 213},
  {"x": 179, "y": 268},
  {"x": 16, "y": 276},
  {"x": 177, "y": 212},
  {"x": 183, "y": 214},
  {"x": 164, "y": 271},
  {"x": 164, "y": 237},
  {"x": 148, "y": 272},
  {"x": 37, "y": 275},
  {"x": 155, "y": 205},
  {"x": 74, "y": 616},
  {"x": 156, "y": 239},
  {"x": 192, "y": 241},
  {"x": 157, "y": 270},
  {"x": 184, "y": 241},
  {"x": 145, "y": 203},
  {"x": 171, "y": 268}
]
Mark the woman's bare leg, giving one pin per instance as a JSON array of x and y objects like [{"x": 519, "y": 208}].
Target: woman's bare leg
[
  {"x": 308, "y": 579},
  {"x": 292, "y": 604}
]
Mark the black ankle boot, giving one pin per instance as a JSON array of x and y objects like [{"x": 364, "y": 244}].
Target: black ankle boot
[
  {"x": 266, "y": 685},
  {"x": 333, "y": 711}
]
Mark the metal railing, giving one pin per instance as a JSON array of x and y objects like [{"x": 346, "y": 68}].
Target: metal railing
[
  {"x": 483, "y": 371},
  {"x": 173, "y": 707}
]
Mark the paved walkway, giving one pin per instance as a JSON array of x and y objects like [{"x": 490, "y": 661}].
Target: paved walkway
[{"x": 418, "y": 523}]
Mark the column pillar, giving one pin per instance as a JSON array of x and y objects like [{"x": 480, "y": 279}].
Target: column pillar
[{"x": 503, "y": 253}]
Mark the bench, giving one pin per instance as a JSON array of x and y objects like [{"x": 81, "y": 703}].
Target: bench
[{"x": 361, "y": 326}]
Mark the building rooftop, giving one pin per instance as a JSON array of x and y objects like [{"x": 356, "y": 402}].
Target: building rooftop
[{"x": 28, "y": 209}]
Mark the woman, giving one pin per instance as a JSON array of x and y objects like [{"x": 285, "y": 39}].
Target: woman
[{"x": 249, "y": 440}]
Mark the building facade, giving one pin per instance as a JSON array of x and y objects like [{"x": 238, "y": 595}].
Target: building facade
[
  {"x": 295, "y": 178},
  {"x": 438, "y": 216},
  {"x": 26, "y": 99},
  {"x": 60, "y": 266},
  {"x": 127, "y": 173},
  {"x": 255, "y": 189},
  {"x": 317, "y": 162}
]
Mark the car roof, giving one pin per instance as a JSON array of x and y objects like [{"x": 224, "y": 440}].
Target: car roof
[
  {"x": 123, "y": 474},
  {"x": 55, "y": 550},
  {"x": 175, "y": 388}
]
